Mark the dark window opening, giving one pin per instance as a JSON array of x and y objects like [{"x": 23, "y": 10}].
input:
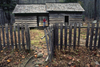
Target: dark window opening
[{"x": 67, "y": 19}]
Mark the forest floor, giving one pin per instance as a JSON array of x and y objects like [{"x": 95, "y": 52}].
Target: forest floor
[{"x": 80, "y": 57}]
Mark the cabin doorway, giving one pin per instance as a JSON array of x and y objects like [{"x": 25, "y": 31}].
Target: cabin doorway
[
  {"x": 67, "y": 19},
  {"x": 40, "y": 20}
]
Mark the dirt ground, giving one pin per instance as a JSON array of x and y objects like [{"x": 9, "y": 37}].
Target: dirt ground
[{"x": 80, "y": 57}]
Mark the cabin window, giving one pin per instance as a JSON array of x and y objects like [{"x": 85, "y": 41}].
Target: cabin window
[
  {"x": 41, "y": 20},
  {"x": 67, "y": 19}
]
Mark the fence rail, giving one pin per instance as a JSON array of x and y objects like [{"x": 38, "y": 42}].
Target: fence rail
[
  {"x": 61, "y": 39},
  {"x": 12, "y": 36}
]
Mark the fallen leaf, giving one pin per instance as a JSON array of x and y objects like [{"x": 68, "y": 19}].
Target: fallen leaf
[
  {"x": 23, "y": 56},
  {"x": 1, "y": 51},
  {"x": 35, "y": 56},
  {"x": 8, "y": 60}
]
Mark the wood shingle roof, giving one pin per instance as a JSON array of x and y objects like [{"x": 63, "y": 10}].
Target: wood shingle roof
[
  {"x": 44, "y": 8},
  {"x": 64, "y": 7}
]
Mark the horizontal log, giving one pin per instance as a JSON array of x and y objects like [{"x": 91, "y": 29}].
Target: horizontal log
[
  {"x": 25, "y": 20},
  {"x": 25, "y": 17},
  {"x": 78, "y": 19},
  {"x": 56, "y": 20}
]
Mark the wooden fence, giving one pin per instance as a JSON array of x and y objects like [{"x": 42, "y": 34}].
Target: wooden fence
[
  {"x": 12, "y": 36},
  {"x": 57, "y": 37}
]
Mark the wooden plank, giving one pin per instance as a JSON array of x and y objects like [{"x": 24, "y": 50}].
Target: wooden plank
[
  {"x": 22, "y": 32},
  {"x": 70, "y": 35},
  {"x": 75, "y": 19},
  {"x": 7, "y": 35},
  {"x": 56, "y": 19},
  {"x": 74, "y": 43},
  {"x": 65, "y": 35},
  {"x": 56, "y": 35},
  {"x": 91, "y": 38},
  {"x": 53, "y": 40},
  {"x": 15, "y": 36},
  {"x": 0, "y": 40},
  {"x": 61, "y": 36},
  {"x": 96, "y": 33},
  {"x": 3, "y": 35},
  {"x": 11, "y": 37},
  {"x": 49, "y": 34},
  {"x": 75, "y": 16},
  {"x": 51, "y": 30},
  {"x": 25, "y": 20},
  {"x": 19, "y": 36},
  {"x": 26, "y": 35},
  {"x": 79, "y": 35},
  {"x": 29, "y": 38},
  {"x": 47, "y": 42},
  {"x": 99, "y": 40},
  {"x": 87, "y": 37}
]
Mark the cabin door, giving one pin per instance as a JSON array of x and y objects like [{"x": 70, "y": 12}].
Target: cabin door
[{"x": 67, "y": 19}]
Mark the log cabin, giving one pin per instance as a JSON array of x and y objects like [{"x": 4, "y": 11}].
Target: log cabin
[{"x": 33, "y": 14}]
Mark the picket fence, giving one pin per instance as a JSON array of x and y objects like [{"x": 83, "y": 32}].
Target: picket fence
[
  {"x": 9, "y": 38},
  {"x": 57, "y": 37}
]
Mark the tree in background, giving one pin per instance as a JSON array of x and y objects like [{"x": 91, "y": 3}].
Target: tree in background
[{"x": 7, "y": 6}]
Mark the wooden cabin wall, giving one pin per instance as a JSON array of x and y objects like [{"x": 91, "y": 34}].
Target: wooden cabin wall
[
  {"x": 60, "y": 18},
  {"x": 30, "y": 20}
]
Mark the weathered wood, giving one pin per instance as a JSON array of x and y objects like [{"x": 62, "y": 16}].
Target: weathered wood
[
  {"x": 3, "y": 35},
  {"x": 56, "y": 35},
  {"x": 61, "y": 36},
  {"x": 70, "y": 35},
  {"x": 53, "y": 19},
  {"x": 46, "y": 42},
  {"x": 26, "y": 34},
  {"x": 79, "y": 35},
  {"x": 51, "y": 30},
  {"x": 91, "y": 38},
  {"x": 29, "y": 38},
  {"x": 48, "y": 30},
  {"x": 99, "y": 40},
  {"x": 15, "y": 36},
  {"x": 11, "y": 37},
  {"x": 19, "y": 36},
  {"x": 25, "y": 20},
  {"x": 65, "y": 35},
  {"x": 96, "y": 33},
  {"x": 0, "y": 40},
  {"x": 75, "y": 19},
  {"x": 22, "y": 32},
  {"x": 74, "y": 41},
  {"x": 87, "y": 37},
  {"x": 7, "y": 34},
  {"x": 53, "y": 40}
]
